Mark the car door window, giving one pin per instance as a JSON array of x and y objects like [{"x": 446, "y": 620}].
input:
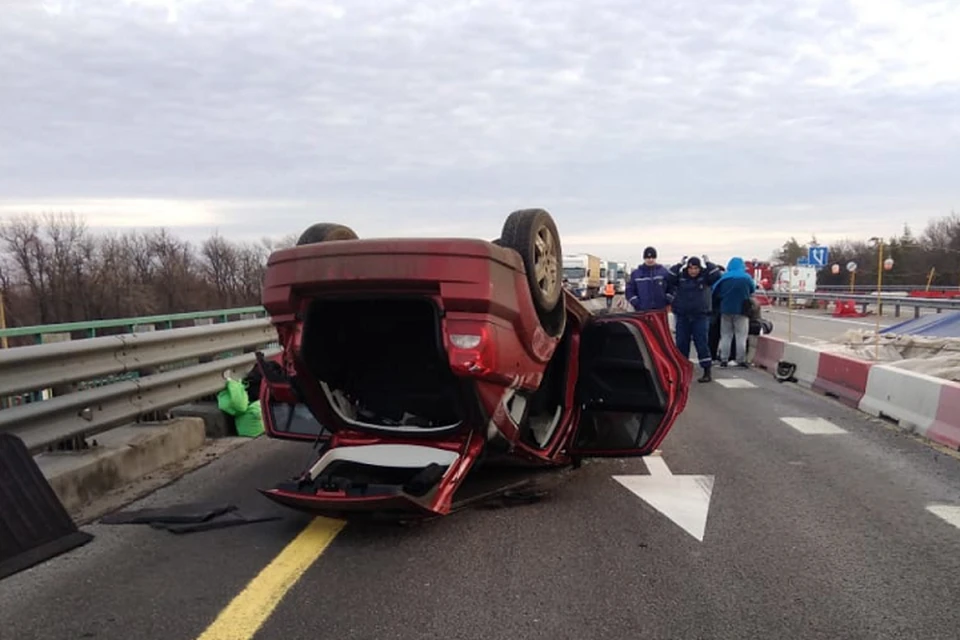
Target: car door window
[
  {"x": 294, "y": 420},
  {"x": 625, "y": 402}
]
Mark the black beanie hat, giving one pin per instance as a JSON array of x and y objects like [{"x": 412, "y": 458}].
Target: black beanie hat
[
  {"x": 694, "y": 261},
  {"x": 649, "y": 252}
]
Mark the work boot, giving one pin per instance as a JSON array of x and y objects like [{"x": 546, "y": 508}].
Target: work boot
[{"x": 706, "y": 377}]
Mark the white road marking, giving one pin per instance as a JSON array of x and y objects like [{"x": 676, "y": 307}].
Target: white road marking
[
  {"x": 735, "y": 383},
  {"x": 947, "y": 512},
  {"x": 683, "y": 499},
  {"x": 813, "y": 426}
]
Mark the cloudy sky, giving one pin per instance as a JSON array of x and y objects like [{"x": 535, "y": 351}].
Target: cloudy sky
[{"x": 718, "y": 127}]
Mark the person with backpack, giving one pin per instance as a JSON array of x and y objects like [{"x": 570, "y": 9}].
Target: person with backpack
[
  {"x": 692, "y": 282},
  {"x": 735, "y": 289}
]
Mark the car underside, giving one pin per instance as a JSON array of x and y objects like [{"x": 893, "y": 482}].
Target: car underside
[{"x": 413, "y": 364}]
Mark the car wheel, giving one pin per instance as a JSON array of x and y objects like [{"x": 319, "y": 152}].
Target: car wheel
[
  {"x": 533, "y": 234},
  {"x": 326, "y": 231}
]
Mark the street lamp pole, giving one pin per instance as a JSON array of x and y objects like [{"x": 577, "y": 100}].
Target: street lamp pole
[{"x": 876, "y": 342}]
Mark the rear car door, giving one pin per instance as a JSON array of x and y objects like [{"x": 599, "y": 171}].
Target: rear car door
[{"x": 632, "y": 385}]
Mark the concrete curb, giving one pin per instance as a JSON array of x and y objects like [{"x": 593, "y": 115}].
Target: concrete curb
[
  {"x": 124, "y": 455},
  {"x": 919, "y": 403}
]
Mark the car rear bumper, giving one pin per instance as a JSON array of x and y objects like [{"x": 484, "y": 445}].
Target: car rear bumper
[{"x": 344, "y": 506}]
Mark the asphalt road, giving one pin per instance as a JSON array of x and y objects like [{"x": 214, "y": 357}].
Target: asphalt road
[
  {"x": 809, "y": 326},
  {"x": 808, "y": 536}
]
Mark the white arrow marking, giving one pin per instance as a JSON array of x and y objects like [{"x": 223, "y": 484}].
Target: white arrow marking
[
  {"x": 683, "y": 499},
  {"x": 946, "y": 512}
]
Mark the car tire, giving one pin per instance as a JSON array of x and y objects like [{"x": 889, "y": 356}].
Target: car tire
[
  {"x": 533, "y": 234},
  {"x": 325, "y": 232}
]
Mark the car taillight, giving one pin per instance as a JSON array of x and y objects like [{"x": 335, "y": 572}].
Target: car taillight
[
  {"x": 472, "y": 350},
  {"x": 465, "y": 341}
]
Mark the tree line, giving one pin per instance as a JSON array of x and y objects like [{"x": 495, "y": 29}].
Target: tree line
[
  {"x": 54, "y": 269},
  {"x": 937, "y": 248}
]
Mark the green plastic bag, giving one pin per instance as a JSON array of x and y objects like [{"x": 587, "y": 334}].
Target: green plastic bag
[
  {"x": 250, "y": 422},
  {"x": 233, "y": 401}
]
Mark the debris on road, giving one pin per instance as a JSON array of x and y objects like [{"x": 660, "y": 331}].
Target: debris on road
[{"x": 188, "y": 518}]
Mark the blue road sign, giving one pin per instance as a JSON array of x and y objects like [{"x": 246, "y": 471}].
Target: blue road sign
[
  {"x": 818, "y": 256},
  {"x": 802, "y": 261}
]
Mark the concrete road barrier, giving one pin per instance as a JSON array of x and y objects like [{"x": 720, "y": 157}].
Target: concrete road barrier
[
  {"x": 842, "y": 377},
  {"x": 806, "y": 359},
  {"x": 919, "y": 403},
  {"x": 769, "y": 352}
]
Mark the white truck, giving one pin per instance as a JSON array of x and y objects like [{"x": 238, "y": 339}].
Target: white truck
[
  {"x": 582, "y": 274},
  {"x": 799, "y": 279},
  {"x": 619, "y": 276}
]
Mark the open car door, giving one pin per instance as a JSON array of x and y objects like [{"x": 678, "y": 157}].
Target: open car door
[
  {"x": 285, "y": 416},
  {"x": 632, "y": 385}
]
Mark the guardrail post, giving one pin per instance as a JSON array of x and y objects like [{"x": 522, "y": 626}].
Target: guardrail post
[
  {"x": 916, "y": 312},
  {"x": 896, "y": 310}
]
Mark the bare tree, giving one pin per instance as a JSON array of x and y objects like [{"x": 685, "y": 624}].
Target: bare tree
[{"x": 53, "y": 268}]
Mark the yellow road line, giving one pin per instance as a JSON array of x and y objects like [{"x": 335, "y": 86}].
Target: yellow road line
[{"x": 247, "y": 612}]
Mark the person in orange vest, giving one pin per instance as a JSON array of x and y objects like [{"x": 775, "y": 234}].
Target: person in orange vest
[{"x": 609, "y": 292}]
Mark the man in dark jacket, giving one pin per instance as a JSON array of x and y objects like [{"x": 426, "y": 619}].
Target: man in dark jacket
[
  {"x": 692, "y": 305},
  {"x": 647, "y": 288}
]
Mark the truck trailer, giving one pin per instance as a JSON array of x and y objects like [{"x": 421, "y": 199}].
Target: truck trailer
[{"x": 582, "y": 274}]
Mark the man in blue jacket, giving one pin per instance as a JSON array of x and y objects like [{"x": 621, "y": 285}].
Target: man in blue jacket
[
  {"x": 734, "y": 290},
  {"x": 647, "y": 288},
  {"x": 692, "y": 306}
]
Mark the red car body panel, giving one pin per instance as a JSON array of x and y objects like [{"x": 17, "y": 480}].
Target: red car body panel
[{"x": 494, "y": 345}]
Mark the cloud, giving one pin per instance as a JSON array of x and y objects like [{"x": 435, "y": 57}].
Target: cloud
[{"x": 684, "y": 119}]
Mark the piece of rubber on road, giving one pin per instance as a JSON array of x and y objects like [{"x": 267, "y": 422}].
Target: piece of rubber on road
[
  {"x": 231, "y": 519},
  {"x": 176, "y": 514},
  {"x": 34, "y": 526}
]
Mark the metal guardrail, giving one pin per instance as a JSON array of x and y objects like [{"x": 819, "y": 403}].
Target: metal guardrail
[
  {"x": 203, "y": 356},
  {"x": 91, "y": 328},
  {"x": 867, "y": 300}
]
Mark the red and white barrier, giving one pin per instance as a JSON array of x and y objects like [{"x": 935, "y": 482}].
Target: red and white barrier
[
  {"x": 769, "y": 351},
  {"x": 842, "y": 377},
  {"x": 918, "y": 402},
  {"x": 807, "y": 361},
  {"x": 925, "y": 404}
]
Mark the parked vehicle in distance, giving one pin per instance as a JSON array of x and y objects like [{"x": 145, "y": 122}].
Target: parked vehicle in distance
[
  {"x": 618, "y": 275},
  {"x": 427, "y": 358},
  {"x": 584, "y": 275}
]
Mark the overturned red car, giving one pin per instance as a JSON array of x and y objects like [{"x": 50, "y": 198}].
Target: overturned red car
[{"x": 425, "y": 359}]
